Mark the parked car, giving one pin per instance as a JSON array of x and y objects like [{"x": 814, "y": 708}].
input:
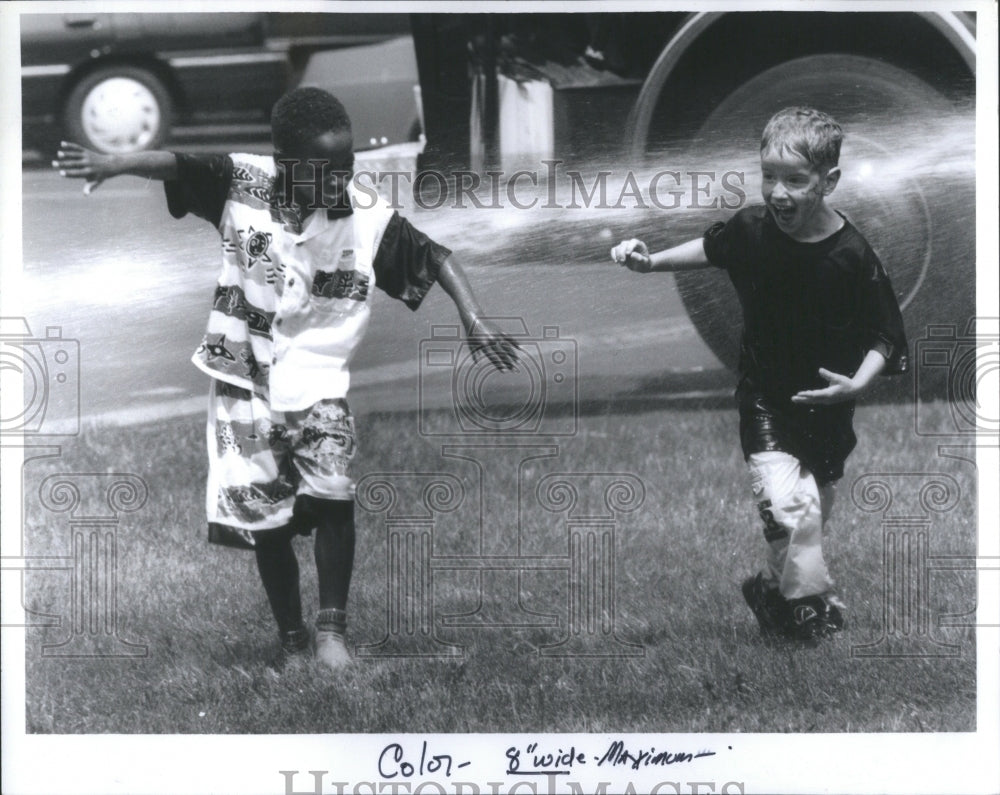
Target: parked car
[{"x": 124, "y": 82}]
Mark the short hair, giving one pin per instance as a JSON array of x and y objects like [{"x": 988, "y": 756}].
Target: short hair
[
  {"x": 807, "y": 132},
  {"x": 302, "y": 114}
]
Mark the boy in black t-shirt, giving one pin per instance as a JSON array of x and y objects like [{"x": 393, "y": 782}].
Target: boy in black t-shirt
[{"x": 820, "y": 321}]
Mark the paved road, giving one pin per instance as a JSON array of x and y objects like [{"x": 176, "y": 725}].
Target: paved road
[{"x": 132, "y": 285}]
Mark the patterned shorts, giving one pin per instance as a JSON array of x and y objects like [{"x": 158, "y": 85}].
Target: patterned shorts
[{"x": 260, "y": 460}]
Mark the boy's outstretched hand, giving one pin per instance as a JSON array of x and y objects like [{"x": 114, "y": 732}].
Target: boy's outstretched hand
[
  {"x": 633, "y": 254},
  {"x": 841, "y": 388},
  {"x": 73, "y": 161},
  {"x": 487, "y": 340}
]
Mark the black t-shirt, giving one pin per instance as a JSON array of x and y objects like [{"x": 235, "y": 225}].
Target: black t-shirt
[
  {"x": 406, "y": 263},
  {"x": 805, "y": 305}
]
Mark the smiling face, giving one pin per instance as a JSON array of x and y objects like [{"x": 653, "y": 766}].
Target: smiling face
[
  {"x": 332, "y": 152},
  {"x": 794, "y": 191}
]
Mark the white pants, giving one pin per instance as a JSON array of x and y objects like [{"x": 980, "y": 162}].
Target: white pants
[{"x": 794, "y": 511}]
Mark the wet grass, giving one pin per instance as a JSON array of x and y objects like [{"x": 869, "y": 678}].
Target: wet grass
[{"x": 210, "y": 655}]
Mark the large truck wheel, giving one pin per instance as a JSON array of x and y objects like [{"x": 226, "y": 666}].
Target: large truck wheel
[
  {"x": 914, "y": 207},
  {"x": 118, "y": 109}
]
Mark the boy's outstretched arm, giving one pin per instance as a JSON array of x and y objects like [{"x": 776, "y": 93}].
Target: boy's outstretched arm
[
  {"x": 634, "y": 255},
  {"x": 483, "y": 336},
  {"x": 76, "y": 162}
]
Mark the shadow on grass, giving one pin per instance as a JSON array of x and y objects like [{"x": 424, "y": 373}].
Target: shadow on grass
[{"x": 695, "y": 391}]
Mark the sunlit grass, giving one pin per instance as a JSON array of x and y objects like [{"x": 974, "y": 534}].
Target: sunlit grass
[{"x": 210, "y": 667}]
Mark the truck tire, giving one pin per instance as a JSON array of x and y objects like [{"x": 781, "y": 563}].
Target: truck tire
[
  {"x": 918, "y": 225},
  {"x": 118, "y": 109}
]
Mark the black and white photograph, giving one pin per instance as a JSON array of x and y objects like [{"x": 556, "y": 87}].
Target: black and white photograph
[{"x": 499, "y": 397}]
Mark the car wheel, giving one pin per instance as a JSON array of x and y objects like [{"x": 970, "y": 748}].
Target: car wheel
[{"x": 118, "y": 109}]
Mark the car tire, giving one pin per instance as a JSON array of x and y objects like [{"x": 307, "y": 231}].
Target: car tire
[
  {"x": 119, "y": 109},
  {"x": 911, "y": 221}
]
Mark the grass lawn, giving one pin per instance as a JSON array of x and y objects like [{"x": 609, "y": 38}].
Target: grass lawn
[{"x": 698, "y": 664}]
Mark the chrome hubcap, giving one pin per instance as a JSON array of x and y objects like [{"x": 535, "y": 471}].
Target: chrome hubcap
[{"x": 120, "y": 115}]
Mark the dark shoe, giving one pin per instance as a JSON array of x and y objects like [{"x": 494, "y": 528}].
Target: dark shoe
[
  {"x": 295, "y": 641},
  {"x": 768, "y": 605},
  {"x": 834, "y": 618},
  {"x": 814, "y": 617},
  {"x": 294, "y": 654}
]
